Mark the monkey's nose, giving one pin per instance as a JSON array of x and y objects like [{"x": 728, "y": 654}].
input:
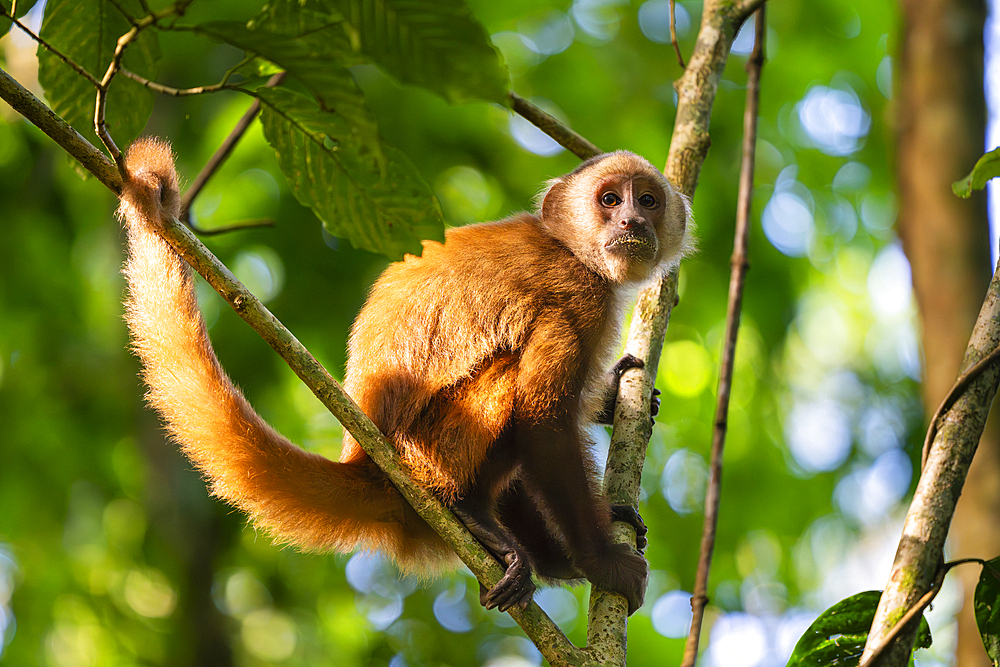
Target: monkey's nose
[{"x": 629, "y": 224}]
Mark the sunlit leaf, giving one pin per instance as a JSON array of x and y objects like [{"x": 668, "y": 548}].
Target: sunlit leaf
[
  {"x": 378, "y": 205},
  {"x": 314, "y": 59},
  {"x": 436, "y": 44},
  {"x": 987, "y": 167},
  {"x": 987, "y": 601},
  {"x": 86, "y": 31},
  {"x": 838, "y": 636}
]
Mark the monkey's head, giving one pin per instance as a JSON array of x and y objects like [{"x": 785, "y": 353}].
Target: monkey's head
[{"x": 620, "y": 216}]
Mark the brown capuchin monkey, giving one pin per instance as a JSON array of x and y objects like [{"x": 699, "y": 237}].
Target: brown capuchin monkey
[{"x": 484, "y": 362}]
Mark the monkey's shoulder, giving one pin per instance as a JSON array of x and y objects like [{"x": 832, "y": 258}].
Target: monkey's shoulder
[{"x": 517, "y": 252}]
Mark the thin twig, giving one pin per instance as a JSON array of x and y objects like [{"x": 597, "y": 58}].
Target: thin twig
[
  {"x": 738, "y": 269},
  {"x": 51, "y": 49},
  {"x": 102, "y": 96},
  {"x": 225, "y": 229},
  {"x": 552, "y": 126},
  {"x": 223, "y": 152},
  {"x": 956, "y": 391},
  {"x": 673, "y": 35},
  {"x": 176, "y": 92}
]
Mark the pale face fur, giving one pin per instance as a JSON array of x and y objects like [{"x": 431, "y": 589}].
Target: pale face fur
[{"x": 620, "y": 217}]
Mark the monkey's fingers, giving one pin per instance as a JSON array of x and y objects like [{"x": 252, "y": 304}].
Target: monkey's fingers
[
  {"x": 626, "y": 362},
  {"x": 630, "y": 515},
  {"x": 515, "y": 589},
  {"x": 654, "y": 403}
]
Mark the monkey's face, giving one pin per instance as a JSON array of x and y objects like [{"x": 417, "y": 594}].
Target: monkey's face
[
  {"x": 630, "y": 209},
  {"x": 619, "y": 216}
]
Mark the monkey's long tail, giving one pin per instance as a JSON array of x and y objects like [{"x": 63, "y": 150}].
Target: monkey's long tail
[{"x": 298, "y": 497}]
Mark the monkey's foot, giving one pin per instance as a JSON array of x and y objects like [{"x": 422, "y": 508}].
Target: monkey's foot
[
  {"x": 621, "y": 570},
  {"x": 630, "y": 515},
  {"x": 514, "y": 589}
]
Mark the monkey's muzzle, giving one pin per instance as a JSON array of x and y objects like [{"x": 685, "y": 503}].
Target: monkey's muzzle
[{"x": 635, "y": 245}]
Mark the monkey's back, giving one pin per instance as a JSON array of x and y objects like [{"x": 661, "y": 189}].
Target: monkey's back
[{"x": 436, "y": 351}]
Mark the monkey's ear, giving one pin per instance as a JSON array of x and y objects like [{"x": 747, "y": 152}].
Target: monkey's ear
[{"x": 552, "y": 199}]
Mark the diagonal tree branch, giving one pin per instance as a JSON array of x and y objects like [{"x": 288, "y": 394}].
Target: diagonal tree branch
[
  {"x": 921, "y": 547},
  {"x": 61, "y": 132},
  {"x": 552, "y": 126}
]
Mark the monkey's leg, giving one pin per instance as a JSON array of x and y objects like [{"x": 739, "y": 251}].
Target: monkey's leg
[
  {"x": 613, "y": 378},
  {"x": 520, "y": 513},
  {"x": 477, "y": 511},
  {"x": 554, "y": 469}
]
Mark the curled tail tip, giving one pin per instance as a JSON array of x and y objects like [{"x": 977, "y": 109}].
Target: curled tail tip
[{"x": 152, "y": 184}]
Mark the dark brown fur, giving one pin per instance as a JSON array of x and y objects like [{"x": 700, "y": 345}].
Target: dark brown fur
[{"x": 482, "y": 361}]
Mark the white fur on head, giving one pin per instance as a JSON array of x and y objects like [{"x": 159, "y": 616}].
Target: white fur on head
[{"x": 567, "y": 211}]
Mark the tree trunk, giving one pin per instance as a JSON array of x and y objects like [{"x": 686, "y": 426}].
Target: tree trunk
[{"x": 941, "y": 112}]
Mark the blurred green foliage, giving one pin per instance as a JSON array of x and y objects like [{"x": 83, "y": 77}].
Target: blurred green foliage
[{"x": 111, "y": 551}]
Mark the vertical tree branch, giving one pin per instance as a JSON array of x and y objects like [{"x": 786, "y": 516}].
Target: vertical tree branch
[
  {"x": 688, "y": 147},
  {"x": 738, "y": 269}
]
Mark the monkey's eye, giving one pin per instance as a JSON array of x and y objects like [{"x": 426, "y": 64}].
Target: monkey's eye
[
  {"x": 610, "y": 199},
  {"x": 647, "y": 201}
]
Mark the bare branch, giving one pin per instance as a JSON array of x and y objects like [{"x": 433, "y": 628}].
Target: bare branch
[
  {"x": 175, "y": 92},
  {"x": 552, "y": 126},
  {"x": 673, "y": 35},
  {"x": 223, "y": 152}
]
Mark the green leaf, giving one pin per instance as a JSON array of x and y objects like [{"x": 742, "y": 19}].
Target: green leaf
[
  {"x": 987, "y": 167},
  {"x": 838, "y": 636},
  {"x": 987, "y": 606},
  {"x": 313, "y": 58},
  {"x": 86, "y": 31},
  {"x": 380, "y": 205},
  {"x": 436, "y": 44}
]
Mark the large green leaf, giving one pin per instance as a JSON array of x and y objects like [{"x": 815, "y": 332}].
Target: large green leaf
[
  {"x": 314, "y": 59},
  {"x": 436, "y": 44},
  {"x": 987, "y": 607},
  {"x": 838, "y": 636},
  {"x": 86, "y": 31},
  {"x": 381, "y": 205}
]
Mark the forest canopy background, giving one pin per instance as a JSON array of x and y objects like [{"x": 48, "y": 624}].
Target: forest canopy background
[{"x": 110, "y": 549}]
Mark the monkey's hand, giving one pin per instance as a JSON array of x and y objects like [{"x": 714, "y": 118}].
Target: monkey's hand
[
  {"x": 630, "y": 515},
  {"x": 621, "y": 570},
  {"x": 607, "y": 413},
  {"x": 514, "y": 589}
]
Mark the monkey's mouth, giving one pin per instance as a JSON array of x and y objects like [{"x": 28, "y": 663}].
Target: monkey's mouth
[{"x": 630, "y": 244}]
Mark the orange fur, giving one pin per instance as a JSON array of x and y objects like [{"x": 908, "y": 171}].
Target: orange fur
[
  {"x": 299, "y": 497},
  {"x": 471, "y": 359}
]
